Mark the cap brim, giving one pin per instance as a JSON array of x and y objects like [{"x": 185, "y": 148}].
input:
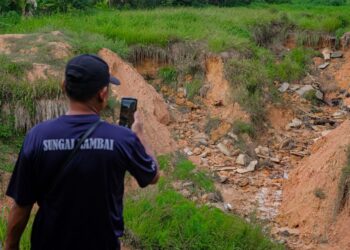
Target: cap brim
[{"x": 114, "y": 80}]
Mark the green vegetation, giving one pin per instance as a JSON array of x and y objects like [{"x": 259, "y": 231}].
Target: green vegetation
[
  {"x": 186, "y": 170},
  {"x": 9, "y": 149},
  {"x": 168, "y": 74},
  {"x": 311, "y": 97},
  {"x": 343, "y": 186},
  {"x": 192, "y": 88},
  {"x": 163, "y": 219},
  {"x": 294, "y": 65},
  {"x": 241, "y": 127},
  {"x": 160, "y": 218}
]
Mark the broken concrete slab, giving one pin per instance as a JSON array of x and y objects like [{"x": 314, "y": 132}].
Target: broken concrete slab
[
  {"x": 337, "y": 54},
  {"x": 324, "y": 65},
  {"x": 284, "y": 87},
  {"x": 250, "y": 168},
  {"x": 303, "y": 90}
]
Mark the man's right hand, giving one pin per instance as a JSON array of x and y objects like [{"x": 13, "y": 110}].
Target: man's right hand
[{"x": 137, "y": 126}]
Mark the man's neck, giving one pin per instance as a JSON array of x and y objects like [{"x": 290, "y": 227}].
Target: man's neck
[{"x": 78, "y": 108}]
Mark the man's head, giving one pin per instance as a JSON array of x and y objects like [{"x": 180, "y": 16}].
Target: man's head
[{"x": 87, "y": 78}]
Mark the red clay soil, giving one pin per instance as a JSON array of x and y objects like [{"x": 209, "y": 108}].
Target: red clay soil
[
  {"x": 319, "y": 225},
  {"x": 151, "y": 104}
]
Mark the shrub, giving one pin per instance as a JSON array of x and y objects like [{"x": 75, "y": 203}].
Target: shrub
[
  {"x": 294, "y": 65},
  {"x": 168, "y": 74},
  {"x": 192, "y": 88},
  {"x": 240, "y": 127}
]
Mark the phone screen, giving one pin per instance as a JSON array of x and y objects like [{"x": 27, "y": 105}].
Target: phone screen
[{"x": 127, "y": 110}]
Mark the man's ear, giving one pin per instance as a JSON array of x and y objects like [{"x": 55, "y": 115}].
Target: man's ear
[
  {"x": 63, "y": 86},
  {"x": 103, "y": 94}
]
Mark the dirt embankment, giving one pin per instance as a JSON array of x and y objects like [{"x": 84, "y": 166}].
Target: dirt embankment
[
  {"x": 150, "y": 103},
  {"x": 305, "y": 208}
]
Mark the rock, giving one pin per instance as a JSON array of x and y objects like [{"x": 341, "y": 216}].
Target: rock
[
  {"x": 264, "y": 151},
  {"x": 303, "y": 90},
  {"x": 185, "y": 193},
  {"x": 294, "y": 87},
  {"x": 197, "y": 151},
  {"x": 284, "y": 87},
  {"x": 201, "y": 138},
  {"x": 188, "y": 151},
  {"x": 223, "y": 179},
  {"x": 242, "y": 160},
  {"x": 227, "y": 207},
  {"x": 346, "y": 103},
  {"x": 339, "y": 114},
  {"x": 324, "y": 65},
  {"x": 337, "y": 54},
  {"x": 243, "y": 182},
  {"x": 287, "y": 144},
  {"x": 250, "y": 168},
  {"x": 233, "y": 136},
  {"x": 204, "y": 90},
  {"x": 319, "y": 95},
  {"x": 326, "y": 54},
  {"x": 296, "y": 123},
  {"x": 275, "y": 160},
  {"x": 286, "y": 232},
  {"x": 188, "y": 184},
  {"x": 223, "y": 149}
]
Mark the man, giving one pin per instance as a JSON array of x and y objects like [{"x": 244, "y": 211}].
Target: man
[{"x": 83, "y": 208}]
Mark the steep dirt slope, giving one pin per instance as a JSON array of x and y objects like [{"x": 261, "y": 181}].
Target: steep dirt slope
[
  {"x": 150, "y": 103},
  {"x": 315, "y": 217}
]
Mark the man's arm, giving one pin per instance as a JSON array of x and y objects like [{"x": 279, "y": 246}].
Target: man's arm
[
  {"x": 137, "y": 128},
  {"x": 17, "y": 221}
]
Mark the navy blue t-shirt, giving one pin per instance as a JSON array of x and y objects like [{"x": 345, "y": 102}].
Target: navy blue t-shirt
[{"x": 84, "y": 210}]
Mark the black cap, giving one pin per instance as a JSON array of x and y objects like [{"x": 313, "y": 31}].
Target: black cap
[{"x": 88, "y": 74}]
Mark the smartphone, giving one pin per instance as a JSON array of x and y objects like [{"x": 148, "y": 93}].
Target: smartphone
[{"x": 127, "y": 111}]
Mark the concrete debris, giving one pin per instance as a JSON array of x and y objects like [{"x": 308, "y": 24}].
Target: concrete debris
[
  {"x": 303, "y": 90},
  {"x": 264, "y": 151},
  {"x": 188, "y": 151},
  {"x": 250, "y": 168},
  {"x": 242, "y": 160},
  {"x": 327, "y": 54},
  {"x": 294, "y": 87},
  {"x": 227, "y": 207},
  {"x": 324, "y": 65},
  {"x": 223, "y": 149},
  {"x": 337, "y": 54},
  {"x": 233, "y": 136},
  {"x": 296, "y": 123},
  {"x": 319, "y": 95},
  {"x": 284, "y": 87}
]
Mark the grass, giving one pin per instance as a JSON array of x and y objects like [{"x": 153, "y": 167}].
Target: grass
[
  {"x": 164, "y": 219},
  {"x": 294, "y": 65},
  {"x": 9, "y": 149},
  {"x": 193, "y": 88},
  {"x": 241, "y": 127},
  {"x": 168, "y": 74},
  {"x": 186, "y": 170},
  {"x": 221, "y": 28},
  {"x": 160, "y": 218}
]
